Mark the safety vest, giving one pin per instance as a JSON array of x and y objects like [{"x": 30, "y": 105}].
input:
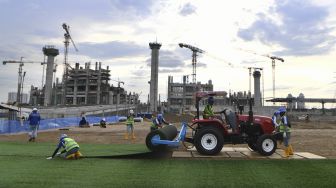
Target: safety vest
[
  {"x": 284, "y": 124},
  {"x": 130, "y": 120},
  {"x": 70, "y": 144},
  {"x": 207, "y": 112}
]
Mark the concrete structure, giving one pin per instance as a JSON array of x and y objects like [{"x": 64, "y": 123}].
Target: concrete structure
[
  {"x": 13, "y": 95},
  {"x": 86, "y": 86},
  {"x": 180, "y": 95},
  {"x": 257, "y": 93},
  {"x": 51, "y": 53},
  {"x": 155, "y": 47}
]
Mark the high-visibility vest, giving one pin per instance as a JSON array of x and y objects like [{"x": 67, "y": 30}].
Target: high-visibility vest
[
  {"x": 130, "y": 120},
  {"x": 207, "y": 112},
  {"x": 284, "y": 124},
  {"x": 70, "y": 144}
]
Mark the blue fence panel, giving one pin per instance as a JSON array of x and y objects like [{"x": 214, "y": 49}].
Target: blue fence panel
[{"x": 15, "y": 126}]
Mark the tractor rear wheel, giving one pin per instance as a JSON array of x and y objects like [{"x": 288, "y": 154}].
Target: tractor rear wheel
[
  {"x": 266, "y": 145},
  {"x": 209, "y": 141}
]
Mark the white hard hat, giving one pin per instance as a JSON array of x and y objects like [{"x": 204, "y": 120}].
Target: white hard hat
[
  {"x": 103, "y": 119},
  {"x": 34, "y": 109},
  {"x": 63, "y": 136},
  {"x": 131, "y": 111}
]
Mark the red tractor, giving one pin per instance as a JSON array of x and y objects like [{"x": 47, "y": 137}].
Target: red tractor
[{"x": 209, "y": 135}]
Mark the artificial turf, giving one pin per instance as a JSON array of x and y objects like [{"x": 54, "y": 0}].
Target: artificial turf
[{"x": 24, "y": 165}]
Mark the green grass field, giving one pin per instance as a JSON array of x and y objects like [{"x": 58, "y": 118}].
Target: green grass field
[{"x": 25, "y": 165}]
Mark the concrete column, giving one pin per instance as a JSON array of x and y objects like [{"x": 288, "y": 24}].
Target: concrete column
[
  {"x": 99, "y": 84},
  {"x": 257, "y": 93},
  {"x": 51, "y": 53},
  {"x": 155, "y": 47}
]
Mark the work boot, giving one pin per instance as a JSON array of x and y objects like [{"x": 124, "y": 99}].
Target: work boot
[
  {"x": 133, "y": 136},
  {"x": 126, "y": 136},
  {"x": 30, "y": 139},
  {"x": 290, "y": 150},
  {"x": 78, "y": 155},
  {"x": 287, "y": 152}
]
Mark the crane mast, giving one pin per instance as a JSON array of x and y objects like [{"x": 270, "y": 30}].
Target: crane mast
[
  {"x": 67, "y": 39},
  {"x": 194, "y": 50}
]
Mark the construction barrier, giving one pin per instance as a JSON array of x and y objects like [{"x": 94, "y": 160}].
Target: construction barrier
[{"x": 16, "y": 126}]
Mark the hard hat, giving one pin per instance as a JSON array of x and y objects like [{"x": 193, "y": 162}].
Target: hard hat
[
  {"x": 210, "y": 100},
  {"x": 131, "y": 111},
  {"x": 34, "y": 109},
  {"x": 103, "y": 119},
  {"x": 63, "y": 136},
  {"x": 282, "y": 109}
]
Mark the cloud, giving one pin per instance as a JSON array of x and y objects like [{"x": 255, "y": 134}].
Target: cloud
[
  {"x": 187, "y": 9},
  {"x": 169, "y": 59},
  {"x": 170, "y": 70},
  {"x": 302, "y": 30},
  {"x": 114, "y": 49}
]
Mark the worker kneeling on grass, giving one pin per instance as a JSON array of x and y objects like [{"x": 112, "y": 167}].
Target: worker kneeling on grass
[{"x": 71, "y": 148}]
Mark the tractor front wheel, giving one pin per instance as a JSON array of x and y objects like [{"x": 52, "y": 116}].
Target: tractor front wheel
[
  {"x": 266, "y": 145},
  {"x": 209, "y": 141}
]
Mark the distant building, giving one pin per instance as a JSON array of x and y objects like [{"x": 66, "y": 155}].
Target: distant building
[
  {"x": 85, "y": 86},
  {"x": 180, "y": 98},
  {"x": 13, "y": 95}
]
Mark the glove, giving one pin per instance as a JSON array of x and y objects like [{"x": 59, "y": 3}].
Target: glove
[{"x": 48, "y": 158}]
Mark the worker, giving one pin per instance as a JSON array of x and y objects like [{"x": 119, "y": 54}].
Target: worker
[
  {"x": 285, "y": 129},
  {"x": 34, "y": 123},
  {"x": 158, "y": 121},
  {"x": 275, "y": 120},
  {"x": 208, "y": 111},
  {"x": 130, "y": 125},
  {"x": 83, "y": 122},
  {"x": 102, "y": 123},
  {"x": 71, "y": 148}
]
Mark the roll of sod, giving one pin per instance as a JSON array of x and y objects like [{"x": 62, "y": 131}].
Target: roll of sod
[{"x": 168, "y": 132}]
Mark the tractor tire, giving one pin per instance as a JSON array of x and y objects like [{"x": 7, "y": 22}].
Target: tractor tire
[
  {"x": 253, "y": 145},
  {"x": 266, "y": 145},
  {"x": 155, "y": 147},
  {"x": 209, "y": 141}
]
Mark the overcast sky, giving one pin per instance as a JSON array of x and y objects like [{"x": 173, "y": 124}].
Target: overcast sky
[{"x": 235, "y": 35}]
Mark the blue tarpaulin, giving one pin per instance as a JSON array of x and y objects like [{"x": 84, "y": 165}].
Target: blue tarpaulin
[{"x": 15, "y": 126}]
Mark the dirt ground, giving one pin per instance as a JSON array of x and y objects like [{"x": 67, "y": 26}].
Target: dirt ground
[{"x": 315, "y": 137}]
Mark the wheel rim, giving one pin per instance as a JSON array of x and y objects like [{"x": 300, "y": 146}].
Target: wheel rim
[
  {"x": 209, "y": 141},
  {"x": 157, "y": 137},
  {"x": 267, "y": 145}
]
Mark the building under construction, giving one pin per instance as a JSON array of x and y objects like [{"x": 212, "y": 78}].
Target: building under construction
[
  {"x": 85, "y": 86},
  {"x": 180, "y": 97}
]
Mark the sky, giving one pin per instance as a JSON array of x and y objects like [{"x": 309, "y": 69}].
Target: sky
[{"x": 234, "y": 35}]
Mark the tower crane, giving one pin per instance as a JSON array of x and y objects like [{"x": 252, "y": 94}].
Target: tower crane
[
  {"x": 273, "y": 58},
  {"x": 194, "y": 50},
  {"x": 67, "y": 39},
  {"x": 21, "y": 75}
]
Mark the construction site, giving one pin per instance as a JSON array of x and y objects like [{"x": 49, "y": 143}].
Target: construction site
[{"x": 168, "y": 94}]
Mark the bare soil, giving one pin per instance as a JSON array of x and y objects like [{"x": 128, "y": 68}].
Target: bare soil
[{"x": 315, "y": 137}]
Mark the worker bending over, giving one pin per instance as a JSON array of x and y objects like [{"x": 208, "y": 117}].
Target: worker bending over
[
  {"x": 157, "y": 122},
  {"x": 71, "y": 148}
]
